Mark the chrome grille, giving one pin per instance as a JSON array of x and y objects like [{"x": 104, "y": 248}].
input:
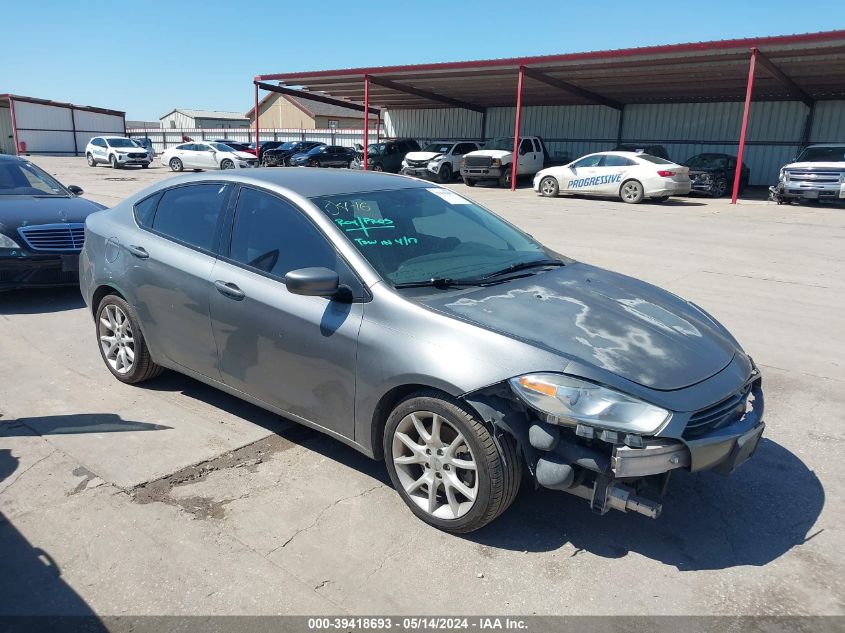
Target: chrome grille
[
  {"x": 54, "y": 237},
  {"x": 814, "y": 176},
  {"x": 478, "y": 161},
  {"x": 722, "y": 413},
  {"x": 137, "y": 154}
]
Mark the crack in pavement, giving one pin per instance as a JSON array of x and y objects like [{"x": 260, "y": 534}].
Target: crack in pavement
[{"x": 320, "y": 516}]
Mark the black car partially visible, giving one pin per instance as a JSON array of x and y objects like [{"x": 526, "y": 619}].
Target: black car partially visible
[
  {"x": 280, "y": 157},
  {"x": 42, "y": 226},
  {"x": 713, "y": 173},
  {"x": 324, "y": 156}
]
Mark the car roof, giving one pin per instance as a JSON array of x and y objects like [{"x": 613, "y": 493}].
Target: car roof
[
  {"x": 311, "y": 182},
  {"x": 619, "y": 152}
]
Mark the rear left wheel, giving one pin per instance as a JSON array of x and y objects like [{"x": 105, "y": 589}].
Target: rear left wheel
[
  {"x": 446, "y": 465},
  {"x": 122, "y": 344},
  {"x": 631, "y": 192}
]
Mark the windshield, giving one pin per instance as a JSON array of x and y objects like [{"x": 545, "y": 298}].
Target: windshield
[
  {"x": 419, "y": 234},
  {"x": 221, "y": 147},
  {"x": 122, "y": 142},
  {"x": 503, "y": 143},
  {"x": 822, "y": 154},
  {"x": 707, "y": 161},
  {"x": 315, "y": 150},
  {"x": 25, "y": 179},
  {"x": 376, "y": 149},
  {"x": 439, "y": 148}
]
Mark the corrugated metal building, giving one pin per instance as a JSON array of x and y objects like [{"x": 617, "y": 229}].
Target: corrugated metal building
[
  {"x": 688, "y": 97},
  {"x": 39, "y": 126},
  {"x": 278, "y": 111},
  {"x": 180, "y": 118}
]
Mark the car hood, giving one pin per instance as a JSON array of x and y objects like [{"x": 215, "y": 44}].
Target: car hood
[
  {"x": 492, "y": 153},
  {"x": 817, "y": 165},
  {"x": 617, "y": 323},
  {"x": 17, "y": 211},
  {"x": 299, "y": 158},
  {"x": 244, "y": 155},
  {"x": 422, "y": 155}
]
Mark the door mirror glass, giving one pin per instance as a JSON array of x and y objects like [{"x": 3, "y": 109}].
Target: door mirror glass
[
  {"x": 313, "y": 282},
  {"x": 75, "y": 190}
]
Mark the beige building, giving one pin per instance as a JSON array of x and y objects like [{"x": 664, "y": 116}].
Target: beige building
[{"x": 281, "y": 111}]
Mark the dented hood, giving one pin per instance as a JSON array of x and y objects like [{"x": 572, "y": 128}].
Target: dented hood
[{"x": 620, "y": 324}]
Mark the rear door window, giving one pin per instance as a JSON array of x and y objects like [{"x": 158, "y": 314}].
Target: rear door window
[{"x": 192, "y": 214}]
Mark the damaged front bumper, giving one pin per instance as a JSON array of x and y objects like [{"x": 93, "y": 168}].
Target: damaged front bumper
[{"x": 612, "y": 472}]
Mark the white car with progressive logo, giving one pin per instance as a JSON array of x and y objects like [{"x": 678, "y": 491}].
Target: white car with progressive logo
[
  {"x": 632, "y": 176},
  {"x": 206, "y": 155}
]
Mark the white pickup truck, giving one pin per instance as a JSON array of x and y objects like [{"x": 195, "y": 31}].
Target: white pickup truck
[
  {"x": 818, "y": 173},
  {"x": 495, "y": 161}
]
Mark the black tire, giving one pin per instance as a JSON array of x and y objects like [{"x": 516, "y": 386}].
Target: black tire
[
  {"x": 660, "y": 199},
  {"x": 720, "y": 188},
  {"x": 227, "y": 164},
  {"x": 113, "y": 162},
  {"x": 469, "y": 182},
  {"x": 378, "y": 167},
  {"x": 549, "y": 187},
  {"x": 145, "y": 165},
  {"x": 505, "y": 178},
  {"x": 143, "y": 367},
  {"x": 90, "y": 158},
  {"x": 176, "y": 164},
  {"x": 631, "y": 191},
  {"x": 498, "y": 466},
  {"x": 445, "y": 174}
]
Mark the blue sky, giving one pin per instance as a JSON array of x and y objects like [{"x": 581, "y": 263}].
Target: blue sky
[{"x": 151, "y": 56}]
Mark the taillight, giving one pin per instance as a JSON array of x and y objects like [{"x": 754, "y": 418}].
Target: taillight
[{"x": 665, "y": 173}]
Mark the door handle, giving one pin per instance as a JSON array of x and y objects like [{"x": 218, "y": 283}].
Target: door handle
[
  {"x": 138, "y": 251},
  {"x": 230, "y": 290}
]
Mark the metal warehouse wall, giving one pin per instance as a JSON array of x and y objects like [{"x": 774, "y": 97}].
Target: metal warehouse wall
[
  {"x": 49, "y": 129},
  {"x": 774, "y": 134}
]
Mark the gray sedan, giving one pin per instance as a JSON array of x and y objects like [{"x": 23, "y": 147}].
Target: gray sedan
[{"x": 416, "y": 326}]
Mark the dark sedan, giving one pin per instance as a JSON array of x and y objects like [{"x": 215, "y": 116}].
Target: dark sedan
[
  {"x": 42, "y": 226},
  {"x": 280, "y": 157},
  {"x": 236, "y": 145},
  {"x": 713, "y": 174},
  {"x": 324, "y": 156}
]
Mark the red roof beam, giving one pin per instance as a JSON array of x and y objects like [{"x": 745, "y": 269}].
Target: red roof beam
[{"x": 783, "y": 78}]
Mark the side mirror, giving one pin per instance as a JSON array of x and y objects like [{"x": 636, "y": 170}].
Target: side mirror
[
  {"x": 75, "y": 190},
  {"x": 313, "y": 282}
]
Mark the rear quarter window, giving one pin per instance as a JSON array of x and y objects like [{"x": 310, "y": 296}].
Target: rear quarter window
[{"x": 145, "y": 210}]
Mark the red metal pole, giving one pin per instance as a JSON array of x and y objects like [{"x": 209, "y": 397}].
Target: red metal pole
[
  {"x": 256, "y": 122},
  {"x": 516, "y": 126},
  {"x": 378, "y": 127},
  {"x": 748, "y": 90},
  {"x": 366, "y": 118},
  {"x": 14, "y": 126}
]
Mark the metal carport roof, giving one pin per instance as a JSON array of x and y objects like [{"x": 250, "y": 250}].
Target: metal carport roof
[{"x": 702, "y": 71}]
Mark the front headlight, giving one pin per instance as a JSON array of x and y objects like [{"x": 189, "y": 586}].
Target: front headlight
[
  {"x": 8, "y": 242},
  {"x": 572, "y": 401},
  {"x": 782, "y": 175},
  {"x": 496, "y": 162}
]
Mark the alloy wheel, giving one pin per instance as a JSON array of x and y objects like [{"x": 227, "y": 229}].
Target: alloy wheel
[
  {"x": 116, "y": 339},
  {"x": 435, "y": 465},
  {"x": 631, "y": 191},
  {"x": 548, "y": 187}
]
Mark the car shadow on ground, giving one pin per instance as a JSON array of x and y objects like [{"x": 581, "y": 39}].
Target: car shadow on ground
[
  {"x": 709, "y": 522},
  {"x": 40, "y": 300},
  {"x": 33, "y": 594},
  {"x": 74, "y": 424}
]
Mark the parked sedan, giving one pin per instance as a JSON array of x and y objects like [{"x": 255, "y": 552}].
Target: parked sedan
[
  {"x": 41, "y": 226},
  {"x": 387, "y": 155},
  {"x": 324, "y": 156},
  {"x": 713, "y": 174},
  {"x": 280, "y": 157},
  {"x": 422, "y": 329},
  {"x": 206, "y": 156},
  {"x": 630, "y": 176}
]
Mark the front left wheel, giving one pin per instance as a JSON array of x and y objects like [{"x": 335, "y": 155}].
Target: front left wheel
[
  {"x": 122, "y": 344},
  {"x": 549, "y": 187},
  {"x": 227, "y": 164},
  {"x": 446, "y": 466}
]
